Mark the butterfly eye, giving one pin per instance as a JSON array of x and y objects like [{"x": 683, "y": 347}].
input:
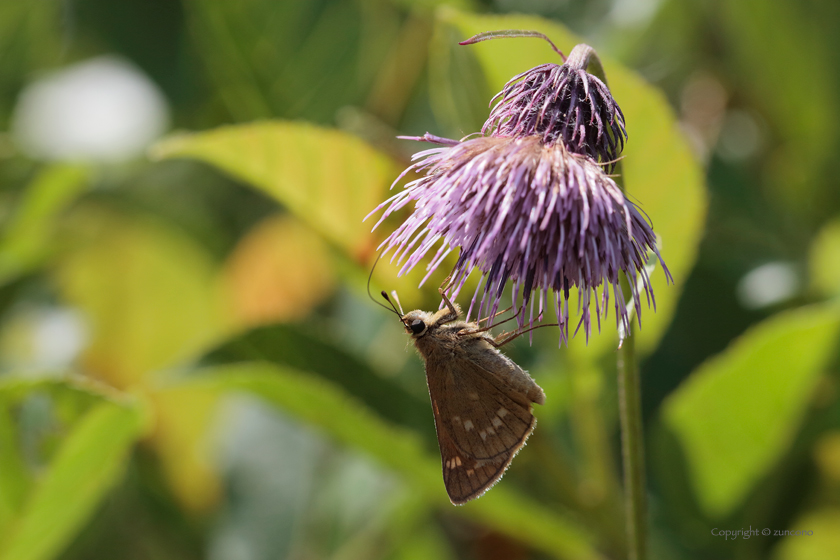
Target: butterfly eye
[{"x": 417, "y": 326}]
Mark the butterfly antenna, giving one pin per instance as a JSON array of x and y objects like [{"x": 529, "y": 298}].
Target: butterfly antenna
[{"x": 374, "y": 300}]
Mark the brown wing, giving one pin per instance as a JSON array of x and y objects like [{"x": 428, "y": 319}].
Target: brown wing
[
  {"x": 482, "y": 420},
  {"x": 466, "y": 478}
]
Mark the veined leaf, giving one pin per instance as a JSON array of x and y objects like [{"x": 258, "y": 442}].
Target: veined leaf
[
  {"x": 329, "y": 179},
  {"x": 738, "y": 412},
  {"x": 660, "y": 173},
  {"x": 320, "y": 404}
]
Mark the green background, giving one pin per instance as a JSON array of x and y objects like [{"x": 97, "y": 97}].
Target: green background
[{"x": 235, "y": 395}]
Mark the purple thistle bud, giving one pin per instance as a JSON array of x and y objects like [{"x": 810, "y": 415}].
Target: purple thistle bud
[
  {"x": 527, "y": 212},
  {"x": 562, "y": 102}
]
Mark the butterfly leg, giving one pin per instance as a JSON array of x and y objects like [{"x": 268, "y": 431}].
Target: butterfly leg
[
  {"x": 488, "y": 327},
  {"x": 451, "y": 313},
  {"x": 496, "y": 315},
  {"x": 504, "y": 338}
]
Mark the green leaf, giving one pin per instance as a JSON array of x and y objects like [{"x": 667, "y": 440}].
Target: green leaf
[
  {"x": 302, "y": 348},
  {"x": 660, "y": 173},
  {"x": 84, "y": 468},
  {"x": 738, "y": 412},
  {"x": 26, "y": 241},
  {"x": 824, "y": 260},
  {"x": 320, "y": 404},
  {"x": 14, "y": 480},
  {"x": 329, "y": 179}
]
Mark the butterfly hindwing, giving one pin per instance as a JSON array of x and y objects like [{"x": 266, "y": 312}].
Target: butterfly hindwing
[{"x": 466, "y": 478}]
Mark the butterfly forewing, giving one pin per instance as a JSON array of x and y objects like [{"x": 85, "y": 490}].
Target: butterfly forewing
[
  {"x": 481, "y": 430},
  {"x": 485, "y": 421}
]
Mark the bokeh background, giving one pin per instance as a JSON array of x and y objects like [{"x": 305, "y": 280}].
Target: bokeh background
[{"x": 189, "y": 363}]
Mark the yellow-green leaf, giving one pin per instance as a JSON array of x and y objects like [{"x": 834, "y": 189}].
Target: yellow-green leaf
[
  {"x": 738, "y": 412},
  {"x": 14, "y": 479},
  {"x": 26, "y": 240},
  {"x": 329, "y": 179},
  {"x": 824, "y": 260}
]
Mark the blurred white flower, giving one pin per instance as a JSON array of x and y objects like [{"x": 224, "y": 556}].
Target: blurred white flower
[
  {"x": 42, "y": 338},
  {"x": 103, "y": 110},
  {"x": 768, "y": 284}
]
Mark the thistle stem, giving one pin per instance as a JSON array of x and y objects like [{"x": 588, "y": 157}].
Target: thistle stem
[
  {"x": 583, "y": 57},
  {"x": 510, "y": 33},
  {"x": 632, "y": 447},
  {"x": 629, "y": 392}
]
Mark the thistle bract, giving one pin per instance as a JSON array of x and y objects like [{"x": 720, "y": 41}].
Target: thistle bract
[{"x": 525, "y": 211}]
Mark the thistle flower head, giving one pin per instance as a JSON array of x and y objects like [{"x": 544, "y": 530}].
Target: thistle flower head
[
  {"x": 562, "y": 102},
  {"x": 528, "y": 212},
  {"x": 529, "y": 203}
]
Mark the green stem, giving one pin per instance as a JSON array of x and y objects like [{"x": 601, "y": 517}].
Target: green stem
[
  {"x": 632, "y": 444},
  {"x": 629, "y": 392}
]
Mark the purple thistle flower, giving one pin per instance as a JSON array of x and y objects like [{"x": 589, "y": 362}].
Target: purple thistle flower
[
  {"x": 524, "y": 211},
  {"x": 562, "y": 102}
]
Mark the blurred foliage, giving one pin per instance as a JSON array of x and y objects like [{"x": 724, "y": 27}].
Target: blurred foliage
[
  {"x": 778, "y": 364},
  {"x": 190, "y": 366}
]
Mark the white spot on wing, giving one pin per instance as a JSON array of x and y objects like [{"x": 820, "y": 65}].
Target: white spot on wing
[{"x": 468, "y": 425}]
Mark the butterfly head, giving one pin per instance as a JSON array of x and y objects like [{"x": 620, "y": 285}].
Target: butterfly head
[{"x": 417, "y": 323}]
